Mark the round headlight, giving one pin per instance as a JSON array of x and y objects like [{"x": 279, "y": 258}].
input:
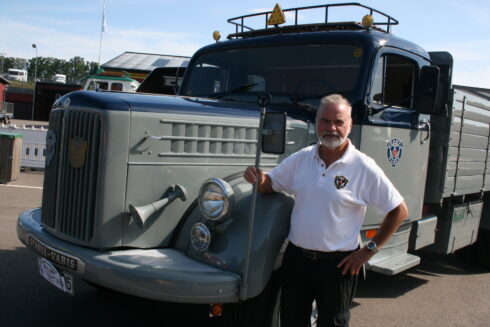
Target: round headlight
[
  {"x": 200, "y": 237},
  {"x": 215, "y": 198}
]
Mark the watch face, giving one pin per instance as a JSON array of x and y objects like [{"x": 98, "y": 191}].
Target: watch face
[{"x": 371, "y": 245}]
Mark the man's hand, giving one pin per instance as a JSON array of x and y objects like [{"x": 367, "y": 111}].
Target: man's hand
[
  {"x": 354, "y": 261},
  {"x": 252, "y": 174}
]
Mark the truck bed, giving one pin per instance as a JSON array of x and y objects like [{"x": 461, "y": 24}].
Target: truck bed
[{"x": 459, "y": 147}]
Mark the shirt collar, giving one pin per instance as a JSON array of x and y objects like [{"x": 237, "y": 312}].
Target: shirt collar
[{"x": 345, "y": 157}]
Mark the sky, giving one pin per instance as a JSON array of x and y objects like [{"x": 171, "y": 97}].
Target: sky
[{"x": 64, "y": 28}]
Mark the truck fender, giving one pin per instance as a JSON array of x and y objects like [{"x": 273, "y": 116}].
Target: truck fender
[{"x": 227, "y": 249}]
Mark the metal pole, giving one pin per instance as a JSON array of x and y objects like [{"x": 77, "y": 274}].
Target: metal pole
[
  {"x": 35, "y": 79},
  {"x": 102, "y": 30},
  {"x": 263, "y": 101}
]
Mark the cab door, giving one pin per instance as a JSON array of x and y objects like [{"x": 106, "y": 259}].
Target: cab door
[{"x": 394, "y": 134}]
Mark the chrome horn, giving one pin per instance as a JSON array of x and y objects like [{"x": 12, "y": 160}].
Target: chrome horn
[{"x": 141, "y": 214}]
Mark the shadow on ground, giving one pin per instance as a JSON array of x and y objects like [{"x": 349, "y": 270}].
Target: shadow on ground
[
  {"x": 432, "y": 264},
  {"x": 28, "y": 300}
]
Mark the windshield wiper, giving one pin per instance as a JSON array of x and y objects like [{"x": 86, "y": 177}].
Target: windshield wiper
[{"x": 235, "y": 90}]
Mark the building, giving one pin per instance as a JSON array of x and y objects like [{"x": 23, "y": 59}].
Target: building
[
  {"x": 6, "y": 109},
  {"x": 3, "y": 88},
  {"x": 47, "y": 94},
  {"x": 139, "y": 65}
]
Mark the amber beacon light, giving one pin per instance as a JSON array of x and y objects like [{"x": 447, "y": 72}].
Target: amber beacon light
[{"x": 367, "y": 21}]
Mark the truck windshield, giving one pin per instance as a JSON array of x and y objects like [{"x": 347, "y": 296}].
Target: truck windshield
[{"x": 290, "y": 73}]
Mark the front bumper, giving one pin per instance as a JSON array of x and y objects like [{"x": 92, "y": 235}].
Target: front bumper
[{"x": 158, "y": 274}]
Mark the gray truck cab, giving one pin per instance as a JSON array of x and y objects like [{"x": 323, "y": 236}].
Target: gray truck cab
[{"x": 144, "y": 194}]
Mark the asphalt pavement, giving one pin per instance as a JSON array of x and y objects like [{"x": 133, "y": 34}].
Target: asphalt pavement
[{"x": 441, "y": 291}]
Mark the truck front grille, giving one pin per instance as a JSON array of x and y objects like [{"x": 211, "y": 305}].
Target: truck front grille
[{"x": 71, "y": 178}]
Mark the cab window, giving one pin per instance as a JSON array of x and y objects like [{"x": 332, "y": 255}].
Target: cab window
[
  {"x": 102, "y": 85},
  {"x": 394, "y": 82},
  {"x": 91, "y": 86},
  {"x": 116, "y": 87}
]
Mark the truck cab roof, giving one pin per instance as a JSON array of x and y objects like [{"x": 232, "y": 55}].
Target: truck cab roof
[{"x": 369, "y": 39}]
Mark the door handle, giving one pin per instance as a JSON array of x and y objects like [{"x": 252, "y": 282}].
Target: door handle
[{"x": 424, "y": 125}]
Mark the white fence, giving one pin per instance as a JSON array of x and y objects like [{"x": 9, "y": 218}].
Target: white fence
[{"x": 33, "y": 144}]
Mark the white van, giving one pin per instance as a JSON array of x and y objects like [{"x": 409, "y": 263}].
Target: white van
[
  {"x": 17, "y": 75},
  {"x": 59, "y": 78}
]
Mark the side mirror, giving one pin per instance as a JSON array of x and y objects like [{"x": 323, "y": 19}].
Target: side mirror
[
  {"x": 274, "y": 133},
  {"x": 429, "y": 84}
]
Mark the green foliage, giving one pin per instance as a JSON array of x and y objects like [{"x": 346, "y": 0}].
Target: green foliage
[{"x": 75, "y": 69}]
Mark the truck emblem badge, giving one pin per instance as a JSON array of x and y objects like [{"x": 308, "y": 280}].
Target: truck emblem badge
[
  {"x": 340, "y": 182},
  {"x": 394, "y": 151},
  {"x": 50, "y": 146},
  {"x": 77, "y": 148}
]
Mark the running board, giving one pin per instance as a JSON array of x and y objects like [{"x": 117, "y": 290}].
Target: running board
[{"x": 395, "y": 265}]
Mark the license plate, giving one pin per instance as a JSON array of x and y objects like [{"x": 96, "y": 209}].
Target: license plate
[
  {"x": 61, "y": 259},
  {"x": 60, "y": 279}
]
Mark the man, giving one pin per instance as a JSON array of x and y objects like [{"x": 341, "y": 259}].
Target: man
[{"x": 332, "y": 183}]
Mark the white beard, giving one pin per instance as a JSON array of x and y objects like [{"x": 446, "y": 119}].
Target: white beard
[{"x": 331, "y": 142}]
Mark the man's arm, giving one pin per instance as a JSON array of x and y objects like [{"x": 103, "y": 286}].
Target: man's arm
[
  {"x": 392, "y": 221},
  {"x": 253, "y": 174}
]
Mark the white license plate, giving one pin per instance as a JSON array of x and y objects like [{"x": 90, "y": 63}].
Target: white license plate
[{"x": 58, "y": 278}]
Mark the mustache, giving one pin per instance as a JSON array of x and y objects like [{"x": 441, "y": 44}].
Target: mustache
[{"x": 330, "y": 134}]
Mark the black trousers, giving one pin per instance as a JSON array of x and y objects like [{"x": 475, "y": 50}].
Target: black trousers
[{"x": 306, "y": 278}]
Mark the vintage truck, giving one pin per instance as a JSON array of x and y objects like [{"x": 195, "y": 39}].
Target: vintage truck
[{"x": 144, "y": 194}]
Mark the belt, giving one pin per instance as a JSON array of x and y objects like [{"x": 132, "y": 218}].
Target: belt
[{"x": 321, "y": 255}]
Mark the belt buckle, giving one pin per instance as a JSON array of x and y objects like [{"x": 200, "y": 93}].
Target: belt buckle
[{"x": 310, "y": 254}]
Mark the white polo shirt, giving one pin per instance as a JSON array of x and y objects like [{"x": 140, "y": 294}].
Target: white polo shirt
[{"x": 330, "y": 204}]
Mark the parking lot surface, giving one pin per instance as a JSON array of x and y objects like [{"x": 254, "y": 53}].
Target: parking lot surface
[{"x": 441, "y": 291}]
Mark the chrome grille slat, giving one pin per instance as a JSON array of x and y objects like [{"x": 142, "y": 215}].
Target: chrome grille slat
[{"x": 50, "y": 173}]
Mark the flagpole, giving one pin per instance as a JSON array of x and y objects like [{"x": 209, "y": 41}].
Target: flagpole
[{"x": 102, "y": 30}]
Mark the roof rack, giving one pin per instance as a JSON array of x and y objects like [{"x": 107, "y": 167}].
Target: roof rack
[{"x": 244, "y": 31}]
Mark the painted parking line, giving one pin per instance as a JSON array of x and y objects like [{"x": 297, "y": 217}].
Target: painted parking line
[{"x": 23, "y": 186}]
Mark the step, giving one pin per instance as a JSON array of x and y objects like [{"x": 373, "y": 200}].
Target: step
[{"x": 396, "y": 264}]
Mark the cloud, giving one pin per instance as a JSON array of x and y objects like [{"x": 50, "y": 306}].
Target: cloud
[
  {"x": 475, "y": 76},
  {"x": 51, "y": 42},
  {"x": 474, "y": 50},
  {"x": 45, "y": 6},
  {"x": 59, "y": 43},
  {"x": 115, "y": 43},
  {"x": 471, "y": 61}
]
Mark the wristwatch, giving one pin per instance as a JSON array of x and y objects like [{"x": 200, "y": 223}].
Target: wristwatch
[{"x": 371, "y": 245}]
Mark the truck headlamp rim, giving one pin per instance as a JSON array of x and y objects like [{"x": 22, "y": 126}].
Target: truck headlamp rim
[
  {"x": 215, "y": 199},
  {"x": 200, "y": 237}
]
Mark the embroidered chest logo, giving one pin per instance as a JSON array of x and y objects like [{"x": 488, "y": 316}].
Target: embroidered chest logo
[
  {"x": 394, "y": 151},
  {"x": 340, "y": 182}
]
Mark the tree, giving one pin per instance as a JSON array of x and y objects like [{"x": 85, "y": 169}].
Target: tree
[
  {"x": 17, "y": 63},
  {"x": 75, "y": 69}
]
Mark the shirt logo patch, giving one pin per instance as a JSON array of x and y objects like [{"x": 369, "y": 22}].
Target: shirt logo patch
[
  {"x": 394, "y": 151},
  {"x": 340, "y": 182}
]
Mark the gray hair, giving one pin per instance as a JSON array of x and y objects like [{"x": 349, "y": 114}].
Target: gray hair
[{"x": 335, "y": 99}]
